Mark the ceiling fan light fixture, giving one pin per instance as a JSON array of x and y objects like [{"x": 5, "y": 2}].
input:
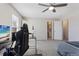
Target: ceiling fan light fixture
[{"x": 51, "y": 8}]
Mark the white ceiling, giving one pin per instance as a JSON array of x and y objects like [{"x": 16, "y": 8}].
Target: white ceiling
[{"x": 33, "y": 10}]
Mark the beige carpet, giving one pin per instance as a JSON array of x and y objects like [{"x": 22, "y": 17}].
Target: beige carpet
[{"x": 46, "y": 48}]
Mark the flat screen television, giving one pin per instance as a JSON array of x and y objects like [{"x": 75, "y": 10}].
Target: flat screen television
[
  {"x": 4, "y": 35},
  {"x": 4, "y": 31}
]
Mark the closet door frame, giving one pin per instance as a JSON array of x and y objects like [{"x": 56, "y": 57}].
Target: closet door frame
[{"x": 65, "y": 27}]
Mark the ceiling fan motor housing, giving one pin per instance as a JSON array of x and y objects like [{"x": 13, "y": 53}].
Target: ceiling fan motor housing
[{"x": 54, "y": 10}]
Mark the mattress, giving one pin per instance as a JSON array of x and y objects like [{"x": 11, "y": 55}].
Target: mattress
[
  {"x": 68, "y": 49},
  {"x": 76, "y": 44}
]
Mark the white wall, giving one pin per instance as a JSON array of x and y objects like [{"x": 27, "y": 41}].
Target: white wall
[
  {"x": 74, "y": 27},
  {"x": 6, "y": 12},
  {"x": 40, "y": 26}
]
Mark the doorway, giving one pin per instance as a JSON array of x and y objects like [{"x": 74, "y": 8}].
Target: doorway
[
  {"x": 57, "y": 30},
  {"x": 15, "y": 23},
  {"x": 49, "y": 30}
]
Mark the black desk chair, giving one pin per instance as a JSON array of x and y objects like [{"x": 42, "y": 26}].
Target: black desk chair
[{"x": 22, "y": 40}]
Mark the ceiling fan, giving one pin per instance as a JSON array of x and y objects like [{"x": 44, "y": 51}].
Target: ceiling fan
[{"x": 53, "y": 6}]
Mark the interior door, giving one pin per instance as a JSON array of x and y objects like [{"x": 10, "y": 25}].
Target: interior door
[{"x": 58, "y": 30}]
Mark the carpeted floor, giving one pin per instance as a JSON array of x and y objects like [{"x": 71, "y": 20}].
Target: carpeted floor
[{"x": 44, "y": 48}]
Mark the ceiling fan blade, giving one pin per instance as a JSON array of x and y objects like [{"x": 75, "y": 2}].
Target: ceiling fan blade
[
  {"x": 45, "y": 10},
  {"x": 60, "y": 5},
  {"x": 44, "y": 5}
]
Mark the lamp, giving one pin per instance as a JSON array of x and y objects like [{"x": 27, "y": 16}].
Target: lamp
[{"x": 51, "y": 8}]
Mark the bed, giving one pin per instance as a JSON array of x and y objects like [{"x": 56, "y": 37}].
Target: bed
[{"x": 68, "y": 49}]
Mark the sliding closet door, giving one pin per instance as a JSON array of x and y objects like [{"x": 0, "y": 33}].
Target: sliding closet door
[{"x": 58, "y": 30}]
